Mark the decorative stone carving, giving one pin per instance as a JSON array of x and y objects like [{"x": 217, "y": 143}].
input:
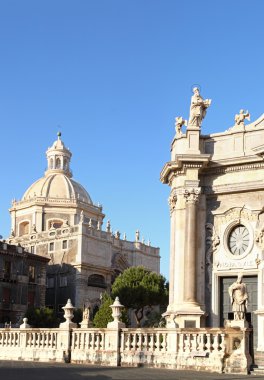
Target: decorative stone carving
[
  {"x": 239, "y": 298},
  {"x": 81, "y": 217},
  {"x": 137, "y": 236},
  {"x": 179, "y": 123},
  {"x": 172, "y": 200},
  {"x": 33, "y": 228},
  {"x": 212, "y": 242},
  {"x": 192, "y": 194},
  {"x": 197, "y": 109},
  {"x": 259, "y": 238},
  {"x": 240, "y": 118}
]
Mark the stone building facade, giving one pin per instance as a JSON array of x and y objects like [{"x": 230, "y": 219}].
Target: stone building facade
[
  {"x": 57, "y": 219},
  {"x": 22, "y": 282},
  {"x": 217, "y": 222}
]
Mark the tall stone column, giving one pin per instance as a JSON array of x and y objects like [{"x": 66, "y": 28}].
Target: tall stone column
[{"x": 191, "y": 195}]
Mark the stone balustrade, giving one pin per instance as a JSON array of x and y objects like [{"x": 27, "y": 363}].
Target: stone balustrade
[
  {"x": 174, "y": 348},
  {"x": 207, "y": 349}
]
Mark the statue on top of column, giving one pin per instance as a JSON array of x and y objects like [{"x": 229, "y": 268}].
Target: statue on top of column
[{"x": 197, "y": 109}]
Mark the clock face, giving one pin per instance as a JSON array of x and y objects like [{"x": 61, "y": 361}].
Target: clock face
[{"x": 238, "y": 240}]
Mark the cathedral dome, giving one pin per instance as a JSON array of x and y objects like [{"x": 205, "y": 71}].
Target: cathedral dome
[
  {"x": 57, "y": 186},
  {"x": 57, "y": 182}
]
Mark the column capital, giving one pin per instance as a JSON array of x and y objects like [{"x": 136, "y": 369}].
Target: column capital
[{"x": 191, "y": 194}]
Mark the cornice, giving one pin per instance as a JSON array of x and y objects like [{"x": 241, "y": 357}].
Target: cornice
[
  {"x": 228, "y": 167},
  {"x": 181, "y": 163},
  {"x": 234, "y": 188}
]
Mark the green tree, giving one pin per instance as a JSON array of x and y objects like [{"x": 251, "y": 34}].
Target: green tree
[
  {"x": 104, "y": 314},
  {"x": 138, "y": 287},
  {"x": 41, "y": 317}
]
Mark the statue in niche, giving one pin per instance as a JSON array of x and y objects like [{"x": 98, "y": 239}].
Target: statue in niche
[
  {"x": 179, "y": 123},
  {"x": 198, "y": 109},
  {"x": 239, "y": 298},
  {"x": 240, "y": 118}
]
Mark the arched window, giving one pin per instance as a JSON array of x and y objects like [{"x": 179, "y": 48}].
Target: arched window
[
  {"x": 58, "y": 163},
  {"x": 65, "y": 164},
  {"x": 96, "y": 280},
  {"x": 24, "y": 228}
]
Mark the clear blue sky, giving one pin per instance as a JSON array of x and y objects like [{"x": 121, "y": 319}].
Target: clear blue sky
[{"x": 112, "y": 76}]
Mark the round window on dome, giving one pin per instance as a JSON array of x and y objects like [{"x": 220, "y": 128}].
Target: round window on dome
[{"x": 238, "y": 240}]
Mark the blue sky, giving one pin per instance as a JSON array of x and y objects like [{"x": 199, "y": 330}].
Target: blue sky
[{"x": 112, "y": 75}]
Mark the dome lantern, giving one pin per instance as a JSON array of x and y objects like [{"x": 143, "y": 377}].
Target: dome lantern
[{"x": 58, "y": 157}]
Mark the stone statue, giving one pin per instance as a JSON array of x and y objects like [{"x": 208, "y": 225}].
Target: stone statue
[
  {"x": 198, "y": 109},
  {"x": 86, "y": 313},
  {"x": 240, "y": 118},
  {"x": 239, "y": 298},
  {"x": 86, "y": 322},
  {"x": 179, "y": 123},
  {"x": 137, "y": 235},
  {"x": 117, "y": 234},
  {"x": 81, "y": 217},
  {"x": 108, "y": 226}
]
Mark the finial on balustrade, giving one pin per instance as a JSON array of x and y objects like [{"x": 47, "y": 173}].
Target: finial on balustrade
[
  {"x": 116, "y": 314},
  {"x": 68, "y": 315}
]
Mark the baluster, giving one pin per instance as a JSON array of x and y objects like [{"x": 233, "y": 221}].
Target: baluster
[
  {"x": 43, "y": 339},
  {"x": 128, "y": 341},
  {"x": 122, "y": 345},
  {"x": 145, "y": 342},
  {"x": 34, "y": 339},
  {"x": 181, "y": 343},
  {"x": 103, "y": 342},
  {"x": 152, "y": 342},
  {"x": 200, "y": 342},
  {"x": 208, "y": 343},
  {"x": 222, "y": 345},
  {"x": 187, "y": 343},
  {"x": 97, "y": 341},
  {"x": 38, "y": 342},
  {"x": 215, "y": 342},
  {"x": 194, "y": 342},
  {"x": 92, "y": 342},
  {"x": 140, "y": 342},
  {"x": 164, "y": 342},
  {"x": 87, "y": 337}
]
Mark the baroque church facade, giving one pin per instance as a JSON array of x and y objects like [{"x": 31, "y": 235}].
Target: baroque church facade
[
  {"x": 57, "y": 219},
  {"x": 217, "y": 223}
]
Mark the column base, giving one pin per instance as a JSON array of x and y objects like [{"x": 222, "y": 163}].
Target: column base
[{"x": 188, "y": 315}]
